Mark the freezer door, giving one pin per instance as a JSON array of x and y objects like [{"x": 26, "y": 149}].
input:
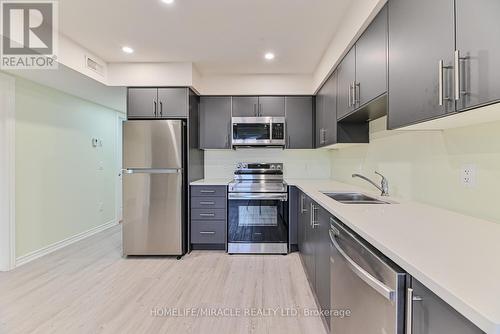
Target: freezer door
[
  {"x": 152, "y": 144},
  {"x": 152, "y": 212}
]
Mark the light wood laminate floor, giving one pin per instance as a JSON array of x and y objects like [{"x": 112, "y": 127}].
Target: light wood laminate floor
[{"x": 89, "y": 288}]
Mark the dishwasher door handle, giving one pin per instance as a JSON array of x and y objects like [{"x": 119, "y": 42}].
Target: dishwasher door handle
[{"x": 368, "y": 278}]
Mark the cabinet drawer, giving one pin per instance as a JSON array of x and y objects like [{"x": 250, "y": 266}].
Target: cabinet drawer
[
  {"x": 208, "y": 214},
  {"x": 208, "y": 232},
  {"x": 205, "y": 191},
  {"x": 208, "y": 203}
]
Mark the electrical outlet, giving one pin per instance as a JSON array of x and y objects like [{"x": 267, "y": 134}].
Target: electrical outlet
[
  {"x": 101, "y": 206},
  {"x": 468, "y": 175}
]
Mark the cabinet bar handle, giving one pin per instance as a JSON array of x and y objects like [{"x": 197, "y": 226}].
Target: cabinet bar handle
[
  {"x": 409, "y": 311},
  {"x": 161, "y": 108},
  {"x": 207, "y": 203},
  {"x": 440, "y": 82},
  {"x": 356, "y": 89},
  {"x": 207, "y": 191},
  {"x": 302, "y": 206},
  {"x": 458, "y": 91},
  {"x": 410, "y": 298},
  {"x": 207, "y": 214},
  {"x": 154, "y": 107},
  {"x": 350, "y": 97},
  {"x": 207, "y": 232}
]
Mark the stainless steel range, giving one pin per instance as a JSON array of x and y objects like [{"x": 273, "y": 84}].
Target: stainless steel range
[{"x": 258, "y": 209}]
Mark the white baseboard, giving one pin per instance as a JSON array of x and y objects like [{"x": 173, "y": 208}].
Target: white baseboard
[{"x": 63, "y": 243}]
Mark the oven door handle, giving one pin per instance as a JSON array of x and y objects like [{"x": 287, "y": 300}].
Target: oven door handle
[
  {"x": 265, "y": 196},
  {"x": 378, "y": 286}
]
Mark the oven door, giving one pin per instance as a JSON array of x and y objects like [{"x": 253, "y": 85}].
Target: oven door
[
  {"x": 251, "y": 131},
  {"x": 258, "y": 218}
]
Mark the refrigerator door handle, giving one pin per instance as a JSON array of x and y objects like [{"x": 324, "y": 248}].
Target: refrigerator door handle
[{"x": 153, "y": 171}]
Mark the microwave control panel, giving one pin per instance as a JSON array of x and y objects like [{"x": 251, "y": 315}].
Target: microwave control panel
[{"x": 278, "y": 131}]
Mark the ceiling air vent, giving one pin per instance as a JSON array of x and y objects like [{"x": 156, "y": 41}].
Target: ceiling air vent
[{"x": 94, "y": 65}]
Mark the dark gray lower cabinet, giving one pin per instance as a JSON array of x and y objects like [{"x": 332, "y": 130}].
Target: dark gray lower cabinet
[
  {"x": 421, "y": 34},
  {"x": 478, "y": 46},
  {"x": 208, "y": 217},
  {"x": 322, "y": 258},
  {"x": 299, "y": 122},
  {"x": 314, "y": 247},
  {"x": 215, "y": 122},
  {"x": 432, "y": 315},
  {"x": 306, "y": 236}
]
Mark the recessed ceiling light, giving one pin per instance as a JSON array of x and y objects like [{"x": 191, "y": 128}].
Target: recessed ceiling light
[
  {"x": 127, "y": 49},
  {"x": 269, "y": 56},
  {"x": 168, "y": 2}
]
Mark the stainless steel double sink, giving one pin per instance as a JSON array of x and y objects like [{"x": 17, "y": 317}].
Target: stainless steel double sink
[{"x": 354, "y": 198}]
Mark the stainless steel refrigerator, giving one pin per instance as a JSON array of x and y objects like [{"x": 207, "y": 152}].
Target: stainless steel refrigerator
[{"x": 153, "y": 187}]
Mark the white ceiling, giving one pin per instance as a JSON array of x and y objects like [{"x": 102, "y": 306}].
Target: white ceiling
[{"x": 218, "y": 36}]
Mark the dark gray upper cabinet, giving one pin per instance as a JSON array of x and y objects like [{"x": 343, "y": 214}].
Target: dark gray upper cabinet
[
  {"x": 320, "y": 117},
  {"x": 157, "y": 102},
  {"x": 141, "y": 102},
  {"x": 371, "y": 61},
  {"x": 432, "y": 315},
  {"x": 271, "y": 106},
  {"x": 478, "y": 46},
  {"x": 326, "y": 112},
  {"x": 245, "y": 106},
  {"x": 172, "y": 102},
  {"x": 299, "y": 122},
  {"x": 215, "y": 122},
  {"x": 421, "y": 34},
  {"x": 255, "y": 106},
  {"x": 330, "y": 110},
  {"x": 346, "y": 80}
]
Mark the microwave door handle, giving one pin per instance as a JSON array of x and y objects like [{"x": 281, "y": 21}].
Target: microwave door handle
[{"x": 378, "y": 286}]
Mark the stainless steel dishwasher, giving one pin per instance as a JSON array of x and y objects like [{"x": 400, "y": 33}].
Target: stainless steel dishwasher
[{"x": 367, "y": 292}]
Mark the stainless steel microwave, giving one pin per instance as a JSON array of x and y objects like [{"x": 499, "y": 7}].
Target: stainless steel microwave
[{"x": 258, "y": 131}]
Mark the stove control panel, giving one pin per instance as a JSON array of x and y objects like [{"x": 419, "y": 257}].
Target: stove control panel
[{"x": 259, "y": 165}]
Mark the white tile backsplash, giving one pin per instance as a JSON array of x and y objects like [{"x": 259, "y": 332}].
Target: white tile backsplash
[{"x": 307, "y": 164}]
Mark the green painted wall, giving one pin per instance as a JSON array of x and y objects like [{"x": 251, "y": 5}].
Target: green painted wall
[
  {"x": 425, "y": 166},
  {"x": 60, "y": 186}
]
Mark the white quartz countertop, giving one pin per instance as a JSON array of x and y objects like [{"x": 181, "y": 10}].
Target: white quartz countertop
[
  {"x": 455, "y": 256},
  {"x": 212, "y": 182}
]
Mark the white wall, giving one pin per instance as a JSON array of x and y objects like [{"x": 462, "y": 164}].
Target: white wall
[
  {"x": 64, "y": 186},
  {"x": 306, "y": 164},
  {"x": 425, "y": 166},
  {"x": 357, "y": 18},
  {"x": 150, "y": 74},
  {"x": 255, "y": 84},
  {"x": 7, "y": 191}
]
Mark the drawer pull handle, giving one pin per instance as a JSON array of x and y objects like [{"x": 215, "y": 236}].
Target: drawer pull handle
[
  {"x": 207, "y": 191},
  {"x": 207, "y": 214},
  {"x": 207, "y": 203},
  {"x": 207, "y": 232}
]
